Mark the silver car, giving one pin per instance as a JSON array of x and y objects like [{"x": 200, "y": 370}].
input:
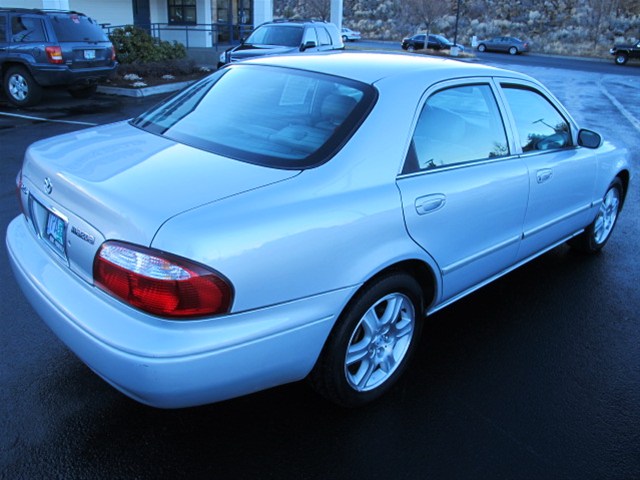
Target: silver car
[
  {"x": 245, "y": 234},
  {"x": 512, "y": 45}
]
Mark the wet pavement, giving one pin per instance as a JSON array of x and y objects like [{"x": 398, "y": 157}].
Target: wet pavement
[{"x": 536, "y": 376}]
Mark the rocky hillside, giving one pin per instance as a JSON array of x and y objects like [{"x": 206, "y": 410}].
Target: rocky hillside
[{"x": 587, "y": 27}]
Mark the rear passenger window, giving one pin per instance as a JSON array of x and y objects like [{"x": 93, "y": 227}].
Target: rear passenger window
[
  {"x": 3, "y": 28},
  {"x": 27, "y": 29},
  {"x": 323, "y": 36},
  {"x": 540, "y": 126},
  {"x": 457, "y": 125}
]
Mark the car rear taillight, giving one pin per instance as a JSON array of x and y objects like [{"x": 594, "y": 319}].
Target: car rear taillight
[
  {"x": 113, "y": 53},
  {"x": 54, "y": 54},
  {"x": 160, "y": 283}
]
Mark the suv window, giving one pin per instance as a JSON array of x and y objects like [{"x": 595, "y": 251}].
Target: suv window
[
  {"x": 3, "y": 28},
  {"x": 310, "y": 35},
  {"x": 27, "y": 29},
  {"x": 290, "y": 36},
  {"x": 323, "y": 36},
  {"x": 457, "y": 125},
  {"x": 540, "y": 126},
  {"x": 77, "y": 28}
]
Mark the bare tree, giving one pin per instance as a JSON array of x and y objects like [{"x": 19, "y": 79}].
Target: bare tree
[{"x": 425, "y": 12}]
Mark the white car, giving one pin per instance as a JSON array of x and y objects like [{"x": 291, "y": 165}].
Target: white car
[
  {"x": 245, "y": 234},
  {"x": 349, "y": 35}
]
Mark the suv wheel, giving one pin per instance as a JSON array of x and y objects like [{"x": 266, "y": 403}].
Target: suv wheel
[
  {"x": 83, "y": 92},
  {"x": 20, "y": 87},
  {"x": 621, "y": 58}
]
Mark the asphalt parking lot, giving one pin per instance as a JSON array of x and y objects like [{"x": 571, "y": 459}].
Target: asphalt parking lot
[{"x": 534, "y": 376}]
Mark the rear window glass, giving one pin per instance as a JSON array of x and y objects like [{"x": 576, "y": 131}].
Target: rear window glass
[
  {"x": 77, "y": 28},
  {"x": 270, "y": 116}
]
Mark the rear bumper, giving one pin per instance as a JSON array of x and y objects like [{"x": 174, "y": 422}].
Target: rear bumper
[
  {"x": 171, "y": 364},
  {"x": 52, "y": 75}
]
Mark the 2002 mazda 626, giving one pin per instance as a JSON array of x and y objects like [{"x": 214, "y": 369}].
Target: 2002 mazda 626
[{"x": 293, "y": 217}]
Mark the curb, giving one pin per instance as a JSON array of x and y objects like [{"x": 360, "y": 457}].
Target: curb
[{"x": 145, "y": 91}]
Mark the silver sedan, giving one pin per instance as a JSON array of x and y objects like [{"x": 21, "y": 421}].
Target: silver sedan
[{"x": 299, "y": 217}]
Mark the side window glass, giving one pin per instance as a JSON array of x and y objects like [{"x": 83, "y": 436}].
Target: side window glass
[
  {"x": 310, "y": 36},
  {"x": 323, "y": 36},
  {"x": 3, "y": 28},
  {"x": 27, "y": 29},
  {"x": 457, "y": 125},
  {"x": 540, "y": 126}
]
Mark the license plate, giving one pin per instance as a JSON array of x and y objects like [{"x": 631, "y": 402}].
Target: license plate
[
  {"x": 89, "y": 54},
  {"x": 55, "y": 232}
]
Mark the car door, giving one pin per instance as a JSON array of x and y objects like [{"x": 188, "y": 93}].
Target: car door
[
  {"x": 464, "y": 195},
  {"x": 561, "y": 174}
]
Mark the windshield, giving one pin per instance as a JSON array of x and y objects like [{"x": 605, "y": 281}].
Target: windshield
[
  {"x": 288, "y": 119},
  {"x": 285, "y": 35},
  {"x": 71, "y": 27}
]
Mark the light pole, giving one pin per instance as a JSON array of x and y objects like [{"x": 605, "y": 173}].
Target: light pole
[{"x": 455, "y": 34}]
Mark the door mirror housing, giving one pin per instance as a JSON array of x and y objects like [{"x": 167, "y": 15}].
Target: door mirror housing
[
  {"x": 589, "y": 138},
  {"x": 308, "y": 44}
]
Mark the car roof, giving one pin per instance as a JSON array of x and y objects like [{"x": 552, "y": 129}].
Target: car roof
[
  {"x": 40, "y": 11},
  {"x": 370, "y": 67}
]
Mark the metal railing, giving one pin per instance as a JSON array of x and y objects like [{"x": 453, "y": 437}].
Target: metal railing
[{"x": 196, "y": 35}]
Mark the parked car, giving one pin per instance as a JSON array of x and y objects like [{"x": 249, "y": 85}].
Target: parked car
[
  {"x": 622, "y": 53},
  {"x": 40, "y": 48},
  {"x": 285, "y": 36},
  {"x": 349, "y": 35},
  {"x": 261, "y": 232},
  {"x": 512, "y": 45},
  {"x": 434, "y": 42}
]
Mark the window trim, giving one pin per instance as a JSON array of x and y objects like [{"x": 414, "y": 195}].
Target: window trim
[{"x": 500, "y": 105}]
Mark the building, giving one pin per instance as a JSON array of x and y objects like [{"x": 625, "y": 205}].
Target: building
[{"x": 195, "y": 23}]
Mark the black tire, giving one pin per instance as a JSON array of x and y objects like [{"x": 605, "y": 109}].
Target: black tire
[
  {"x": 411, "y": 48},
  {"x": 482, "y": 47},
  {"x": 598, "y": 233},
  {"x": 513, "y": 51},
  {"x": 20, "y": 87},
  {"x": 621, "y": 58},
  {"x": 83, "y": 92},
  {"x": 380, "y": 351},
  {"x": 344, "y": 39}
]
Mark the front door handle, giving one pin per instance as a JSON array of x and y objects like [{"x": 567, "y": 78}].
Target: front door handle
[
  {"x": 544, "y": 175},
  {"x": 430, "y": 203}
]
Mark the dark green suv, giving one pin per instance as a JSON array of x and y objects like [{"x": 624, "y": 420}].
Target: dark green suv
[{"x": 43, "y": 48}]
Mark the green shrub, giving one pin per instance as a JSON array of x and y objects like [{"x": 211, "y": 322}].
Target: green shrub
[{"x": 135, "y": 45}]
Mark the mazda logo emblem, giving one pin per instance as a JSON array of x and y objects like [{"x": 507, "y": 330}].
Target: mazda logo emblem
[{"x": 48, "y": 186}]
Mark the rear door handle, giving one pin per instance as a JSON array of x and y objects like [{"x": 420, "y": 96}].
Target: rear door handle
[
  {"x": 544, "y": 175},
  {"x": 430, "y": 203}
]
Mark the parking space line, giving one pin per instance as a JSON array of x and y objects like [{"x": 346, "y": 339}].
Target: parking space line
[
  {"x": 29, "y": 117},
  {"x": 627, "y": 114}
]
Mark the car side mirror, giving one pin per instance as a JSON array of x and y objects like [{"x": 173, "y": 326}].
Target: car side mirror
[
  {"x": 308, "y": 44},
  {"x": 589, "y": 139}
]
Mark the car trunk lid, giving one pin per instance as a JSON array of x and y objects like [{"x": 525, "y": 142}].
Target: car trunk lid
[{"x": 119, "y": 182}]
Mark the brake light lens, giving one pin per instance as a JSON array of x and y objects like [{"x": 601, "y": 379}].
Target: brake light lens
[
  {"x": 160, "y": 283},
  {"x": 113, "y": 53},
  {"x": 54, "y": 54}
]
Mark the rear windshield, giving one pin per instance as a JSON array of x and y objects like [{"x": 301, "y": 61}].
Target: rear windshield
[
  {"x": 71, "y": 27},
  {"x": 286, "y": 36},
  {"x": 270, "y": 116}
]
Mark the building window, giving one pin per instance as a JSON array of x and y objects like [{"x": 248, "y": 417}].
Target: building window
[{"x": 182, "y": 12}]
